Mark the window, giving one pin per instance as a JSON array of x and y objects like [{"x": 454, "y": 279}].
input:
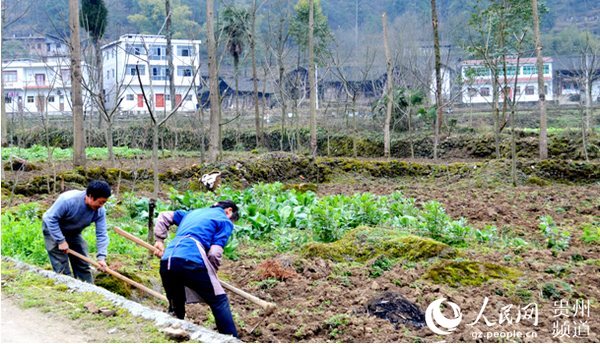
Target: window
[
  {"x": 184, "y": 50},
  {"x": 159, "y": 72},
  {"x": 529, "y": 90},
  {"x": 107, "y": 74},
  {"x": 510, "y": 70},
  {"x": 131, "y": 70},
  {"x": 7, "y": 99},
  {"x": 50, "y": 99},
  {"x": 545, "y": 89},
  {"x": 529, "y": 70},
  {"x": 134, "y": 49},
  {"x": 65, "y": 75},
  {"x": 158, "y": 52},
  {"x": 30, "y": 99},
  {"x": 518, "y": 90},
  {"x": 471, "y": 91},
  {"x": 167, "y": 97},
  {"x": 546, "y": 69},
  {"x": 129, "y": 97},
  {"x": 188, "y": 97},
  {"x": 484, "y": 91},
  {"x": 40, "y": 79},
  {"x": 9, "y": 76},
  {"x": 184, "y": 71}
]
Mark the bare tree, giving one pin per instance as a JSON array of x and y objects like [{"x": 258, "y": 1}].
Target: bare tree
[
  {"x": 438, "y": 79},
  {"x": 169, "y": 35},
  {"x": 76, "y": 97},
  {"x": 215, "y": 115},
  {"x": 389, "y": 89},
  {"x": 311, "y": 80},
  {"x": 541, "y": 93}
]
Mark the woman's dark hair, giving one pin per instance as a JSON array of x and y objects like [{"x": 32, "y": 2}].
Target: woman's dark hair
[
  {"x": 98, "y": 189},
  {"x": 228, "y": 204}
]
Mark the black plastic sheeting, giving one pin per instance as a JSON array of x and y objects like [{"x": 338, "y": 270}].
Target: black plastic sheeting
[{"x": 396, "y": 309}]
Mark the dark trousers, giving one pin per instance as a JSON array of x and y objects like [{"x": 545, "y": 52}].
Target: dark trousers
[
  {"x": 184, "y": 273},
  {"x": 60, "y": 260}
]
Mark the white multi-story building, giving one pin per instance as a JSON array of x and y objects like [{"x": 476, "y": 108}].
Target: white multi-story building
[
  {"x": 477, "y": 80},
  {"x": 122, "y": 59},
  {"x": 38, "y": 87}
]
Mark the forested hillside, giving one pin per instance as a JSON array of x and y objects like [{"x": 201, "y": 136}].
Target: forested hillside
[{"x": 345, "y": 16}]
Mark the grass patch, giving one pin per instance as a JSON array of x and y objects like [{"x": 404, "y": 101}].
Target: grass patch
[{"x": 48, "y": 296}]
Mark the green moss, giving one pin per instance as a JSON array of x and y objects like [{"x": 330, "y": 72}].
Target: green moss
[
  {"x": 113, "y": 284},
  {"x": 364, "y": 243},
  {"x": 471, "y": 273},
  {"x": 535, "y": 180}
]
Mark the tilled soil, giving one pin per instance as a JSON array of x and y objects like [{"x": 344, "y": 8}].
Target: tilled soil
[
  {"x": 328, "y": 302},
  {"x": 323, "y": 301}
]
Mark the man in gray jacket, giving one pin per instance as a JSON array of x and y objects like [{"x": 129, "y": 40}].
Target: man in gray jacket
[{"x": 63, "y": 223}]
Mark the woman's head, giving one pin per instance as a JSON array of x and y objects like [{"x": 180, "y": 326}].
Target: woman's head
[{"x": 233, "y": 213}]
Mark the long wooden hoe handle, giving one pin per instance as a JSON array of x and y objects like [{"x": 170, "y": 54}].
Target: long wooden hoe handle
[
  {"x": 119, "y": 276},
  {"x": 267, "y": 306}
]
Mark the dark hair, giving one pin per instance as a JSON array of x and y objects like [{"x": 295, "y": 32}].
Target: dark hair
[
  {"x": 98, "y": 189},
  {"x": 228, "y": 204}
]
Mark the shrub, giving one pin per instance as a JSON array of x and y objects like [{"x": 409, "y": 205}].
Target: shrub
[{"x": 556, "y": 239}]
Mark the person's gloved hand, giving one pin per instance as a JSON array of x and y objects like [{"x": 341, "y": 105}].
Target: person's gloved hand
[{"x": 215, "y": 254}]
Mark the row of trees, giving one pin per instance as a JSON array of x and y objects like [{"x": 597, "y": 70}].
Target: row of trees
[{"x": 499, "y": 29}]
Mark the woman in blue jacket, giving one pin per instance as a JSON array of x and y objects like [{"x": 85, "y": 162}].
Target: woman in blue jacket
[{"x": 193, "y": 257}]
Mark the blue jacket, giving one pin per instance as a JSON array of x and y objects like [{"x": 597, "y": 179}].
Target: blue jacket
[
  {"x": 209, "y": 226},
  {"x": 69, "y": 216}
]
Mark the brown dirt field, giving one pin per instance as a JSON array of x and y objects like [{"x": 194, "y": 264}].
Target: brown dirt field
[
  {"x": 322, "y": 301},
  {"x": 323, "y": 290}
]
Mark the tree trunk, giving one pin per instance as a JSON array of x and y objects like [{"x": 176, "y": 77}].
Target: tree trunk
[
  {"x": 389, "y": 90},
  {"x": 76, "y": 96},
  {"x": 281, "y": 99},
  {"x": 215, "y": 115},
  {"x": 312, "y": 81},
  {"x": 155, "y": 160},
  {"x": 438, "y": 79},
  {"x": 496, "y": 111},
  {"x": 588, "y": 103},
  {"x": 169, "y": 31},
  {"x": 109, "y": 140},
  {"x": 4, "y": 122},
  {"x": 257, "y": 121},
  {"x": 540, "y": 79}
]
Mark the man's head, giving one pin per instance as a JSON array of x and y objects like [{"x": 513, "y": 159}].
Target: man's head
[
  {"x": 231, "y": 209},
  {"x": 96, "y": 194}
]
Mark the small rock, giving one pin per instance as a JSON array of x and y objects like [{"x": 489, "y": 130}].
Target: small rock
[
  {"x": 368, "y": 330},
  {"x": 92, "y": 308},
  {"x": 107, "y": 312},
  {"x": 375, "y": 285},
  {"x": 177, "y": 334},
  {"x": 112, "y": 330}
]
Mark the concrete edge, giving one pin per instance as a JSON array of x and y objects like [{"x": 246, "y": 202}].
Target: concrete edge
[{"x": 161, "y": 319}]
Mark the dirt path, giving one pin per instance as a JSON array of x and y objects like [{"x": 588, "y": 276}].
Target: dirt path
[{"x": 32, "y": 326}]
